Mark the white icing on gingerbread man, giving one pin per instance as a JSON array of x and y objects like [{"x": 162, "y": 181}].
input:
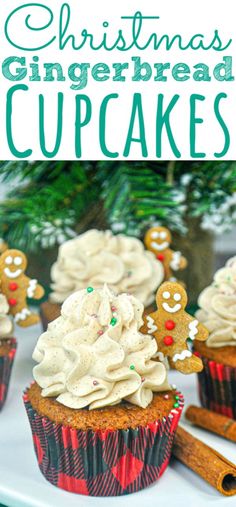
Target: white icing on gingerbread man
[
  {"x": 173, "y": 327},
  {"x": 17, "y": 287}
]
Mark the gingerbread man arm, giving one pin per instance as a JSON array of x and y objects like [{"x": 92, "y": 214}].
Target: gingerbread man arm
[
  {"x": 149, "y": 324},
  {"x": 34, "y": 290},
  {"x": 178, "y": 261},
  {"x": 196, "y": 330}
]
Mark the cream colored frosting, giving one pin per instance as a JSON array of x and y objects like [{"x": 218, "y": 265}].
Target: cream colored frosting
[
  {"x": 86, "y": 359},
  {"x": 218, "y": 307},
  {"x": 98, "y": 257},
  {"x": 6, "y": 325}
]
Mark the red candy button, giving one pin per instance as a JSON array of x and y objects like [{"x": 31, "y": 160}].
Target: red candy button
[
  {"x": 168, "y": 340},
  {"x": 12, "y": 301},
  {"x": 13, "y": 286},
  {"x": 160, "y": 257},
  {"x": 170, "y": 324}
]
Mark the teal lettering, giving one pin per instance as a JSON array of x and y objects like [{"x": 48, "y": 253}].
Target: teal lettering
[
  {"x": 137, "y": 110},
  {"x": 102, "y": 126},
  {"x": 79, "y": 123},
  {"x": 193, "y": 122},
  {"x": 163, "y": 119},
  {"x": 53, "y": 153},
  {"x": 11, "y": 144}
]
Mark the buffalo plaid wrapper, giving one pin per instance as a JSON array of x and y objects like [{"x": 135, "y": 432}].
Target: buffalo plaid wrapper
[
  {"x": 102, "y": 463},
  {"x": 217, "y": 387},
  {"x": 6, "y": 363}
]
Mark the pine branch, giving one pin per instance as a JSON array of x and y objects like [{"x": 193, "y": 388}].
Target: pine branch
[
  {"x": 135, "y": 197},
  {"x": 54, "y": 198},
  {"x": 46, "y": 213}
]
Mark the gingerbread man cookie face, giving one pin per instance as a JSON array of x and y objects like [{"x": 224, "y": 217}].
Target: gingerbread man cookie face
[
  {"x": 158, "y": 241},
  {"x": 171, "y": 326},
  {"x": 170, "y": 300},
  {"x": 17, "y": 287},
  {"x": 13, "y": 263}
]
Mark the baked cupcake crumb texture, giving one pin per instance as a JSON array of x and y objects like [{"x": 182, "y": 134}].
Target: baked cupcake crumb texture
[{"x": 122, "y": 416}]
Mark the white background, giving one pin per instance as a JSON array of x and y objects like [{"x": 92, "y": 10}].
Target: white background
[{"x": 185, "y": 17}]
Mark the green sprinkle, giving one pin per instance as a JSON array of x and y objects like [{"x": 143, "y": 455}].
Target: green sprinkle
[
  {"x": 113, "y": 321},
  {"x": 176, "y": 405},
  {"x": 177, "y": 397},
  {"x": 132, "y": 367},
  {"x": 90, "y": 289}
]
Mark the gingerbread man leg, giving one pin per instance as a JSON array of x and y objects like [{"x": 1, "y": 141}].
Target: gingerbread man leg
[
  {"x": 25, "y": 318},
  {"x": 185, "y": 362}
]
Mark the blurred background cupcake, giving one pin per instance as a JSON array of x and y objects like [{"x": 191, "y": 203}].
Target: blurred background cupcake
[
  {"x": 102, "y": 413},
  {"x": 97, "y": 257},
  {"x": 7, "y": 349},
  {"x": 217, "y": 382}
]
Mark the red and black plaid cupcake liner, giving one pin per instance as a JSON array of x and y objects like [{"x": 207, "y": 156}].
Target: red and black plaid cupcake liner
[
  {"x": 6, "y": 363},
  {"x": 103, "y": 463},
  {"x": 217, "y": 387}
]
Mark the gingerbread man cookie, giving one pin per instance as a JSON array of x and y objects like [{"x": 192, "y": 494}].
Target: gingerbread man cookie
[
  {"x": 17, "y": 287},
  {"x": 158, "y": 241},
  {"x": 172, "y": 326}
]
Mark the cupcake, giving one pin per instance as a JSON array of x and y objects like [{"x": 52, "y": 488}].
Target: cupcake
[
  {"x": 217, "y": 382},
  {"x": 98, "y": 257},
  {"x": 102, "y": 413},
  {"x": 7, "y": 349}
]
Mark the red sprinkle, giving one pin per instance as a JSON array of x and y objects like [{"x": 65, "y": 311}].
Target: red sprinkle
[
  {"x": 12, "y": 301},
  {"x": 170, "y": 324},
  {"x": 168, "y": 340},
  {"x": 160, "y": 257},
  {"x": 13, "y": 286},
  {"x": 100, "y": 332}
]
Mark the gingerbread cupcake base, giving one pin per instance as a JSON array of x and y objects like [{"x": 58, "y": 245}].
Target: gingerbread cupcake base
[
  {"x": 217, "y": 381},
  {"x": 109, "y": 460},
  {"x": 49, "y": 312}
]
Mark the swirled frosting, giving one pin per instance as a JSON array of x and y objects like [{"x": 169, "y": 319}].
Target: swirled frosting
[
  {"x": 94, "y": 355},
  {"x": 98, "y": 257},
  {"x": 218, "y": 307},
  {"x": 6, "y": 325}
]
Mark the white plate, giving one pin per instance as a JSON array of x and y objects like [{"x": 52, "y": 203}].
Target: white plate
[{"x": 21, "y": 482}]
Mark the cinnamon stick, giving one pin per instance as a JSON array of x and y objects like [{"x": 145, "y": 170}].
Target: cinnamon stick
[
  {"x": 217, "y": 423},
  {"x": 205, "y": 461}
]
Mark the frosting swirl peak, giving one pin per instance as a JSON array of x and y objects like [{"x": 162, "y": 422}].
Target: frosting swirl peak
[
  {"x": 98, "y": 257},
  {"x": 93, "y": 355},
  {"x": 218, "y": 307}
]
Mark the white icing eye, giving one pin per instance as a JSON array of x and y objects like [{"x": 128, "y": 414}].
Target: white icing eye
[
  {"x": 177, "y": 297},
  {"x": 17, "y": 261},
  {"x": 166, "y": 295},
  {"x": 9, "y": 260},
  {"x": 155, "y": 235},
  {"x": 163, "y": 235}
]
